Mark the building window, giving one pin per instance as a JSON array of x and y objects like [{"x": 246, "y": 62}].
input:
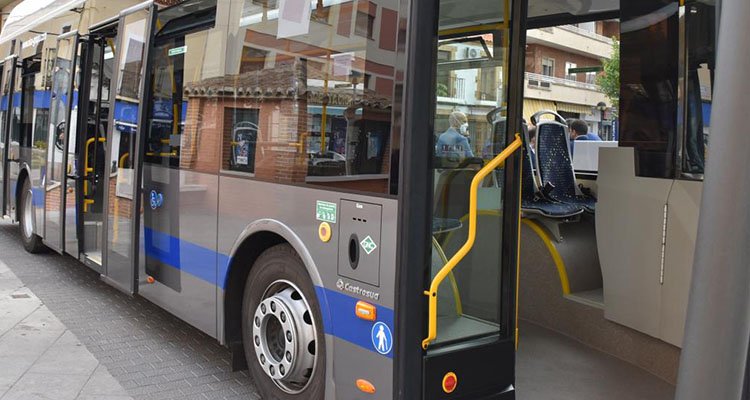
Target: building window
[
  {"x": 591, "y": 77},
  {"x": 568, "y": 75},
  {"x": 587, "y": 26},
  {"x": 548, "y": 66},
  {"x": 364, "y": 25}
]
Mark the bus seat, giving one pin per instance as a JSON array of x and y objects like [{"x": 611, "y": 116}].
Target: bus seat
[
  {"x": 534, "y": 202},
  {"x": 554, "y": 162}
]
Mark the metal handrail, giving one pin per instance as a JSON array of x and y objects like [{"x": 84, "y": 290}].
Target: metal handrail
[{"x": 464, "y": 250}]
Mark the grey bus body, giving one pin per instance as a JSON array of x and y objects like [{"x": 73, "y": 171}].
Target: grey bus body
[{"x": 133, "y": 194}]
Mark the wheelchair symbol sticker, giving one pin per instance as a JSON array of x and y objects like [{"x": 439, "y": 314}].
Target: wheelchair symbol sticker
[
  {"x": 382, "y": 340},
  {"x": 156, "y": 199}
]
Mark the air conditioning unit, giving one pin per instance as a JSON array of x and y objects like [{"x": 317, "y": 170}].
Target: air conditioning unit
[{"x": 472, "y": 52}]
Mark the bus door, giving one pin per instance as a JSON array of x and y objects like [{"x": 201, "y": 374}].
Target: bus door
[
  {"x": 61, "y": 98},
  {"x": 123, "y": 208},
  {"x": 8, "y": 74},
  {"x": 472, "y": 220},
  {"x": 95, "y": 105}
]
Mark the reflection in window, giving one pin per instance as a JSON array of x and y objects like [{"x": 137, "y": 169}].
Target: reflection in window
[
  {"x": 316, "y": 107},
  {"x": 701, "y": 57}
]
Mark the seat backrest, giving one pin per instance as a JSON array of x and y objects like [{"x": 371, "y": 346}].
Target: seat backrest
[
  {"x": 553, "y": 158},
  {"x": 452, "y": 193},
  {"x": 528, "y": 181}
]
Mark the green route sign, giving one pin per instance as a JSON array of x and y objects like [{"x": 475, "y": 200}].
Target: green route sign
[{"x": 581, "y": 70}]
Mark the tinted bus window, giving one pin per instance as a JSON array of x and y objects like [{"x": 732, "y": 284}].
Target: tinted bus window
[
  {"x": 648, "y": 84},
  {"x": 700, "y": 20},
  {"x": 181, "y": 119},
  {"x": 311, "y": 99}
]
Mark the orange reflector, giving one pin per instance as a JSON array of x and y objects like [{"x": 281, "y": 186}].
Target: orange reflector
[
  {"x": 365, "y": 311},
  {"x": 365, "y": 386},
  {"x": 450, "y": 381},
  {"x": 150, "y": 279}
]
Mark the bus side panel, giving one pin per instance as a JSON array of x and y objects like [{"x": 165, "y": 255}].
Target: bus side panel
[
  {"x": 179, "y": 244},
  {"x": 353, "y": 354}
]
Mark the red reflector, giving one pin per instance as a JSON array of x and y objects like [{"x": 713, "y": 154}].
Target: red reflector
[{"x": 450, "y": 381}]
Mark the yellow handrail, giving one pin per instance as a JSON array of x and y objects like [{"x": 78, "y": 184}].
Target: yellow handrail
[
  {"x": 87, "y": 170},
  {"x": 464, "y": 250}
]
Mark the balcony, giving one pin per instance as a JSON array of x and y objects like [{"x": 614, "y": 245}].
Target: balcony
[
  {"x": 557, "y": 89},
  {"x": 572, "y": 39},
  {"x": 451, "y": 87}
]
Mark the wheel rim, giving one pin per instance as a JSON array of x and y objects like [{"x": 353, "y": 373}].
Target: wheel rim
[
  {"x": 284, "y": 337},
  {"x": 28, "y": 229}
]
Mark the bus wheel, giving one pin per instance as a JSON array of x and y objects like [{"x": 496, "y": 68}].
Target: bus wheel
[
  {"x": 281, "y": 329},
  {"x": 31, "y": 241}
]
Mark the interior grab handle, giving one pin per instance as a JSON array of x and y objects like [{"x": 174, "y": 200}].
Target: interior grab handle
[{"x": 461, "y": 253}]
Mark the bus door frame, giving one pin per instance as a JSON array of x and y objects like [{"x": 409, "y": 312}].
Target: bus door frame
[
  {"x": 124, "y": 277},
  {"x": 9, "y": 64},
  {"x": 67, "y": 175},
  {"x": 84, "y": 63},
  {"x": 412, "y": 367}
]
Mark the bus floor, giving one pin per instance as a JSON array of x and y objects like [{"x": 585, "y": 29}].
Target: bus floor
[{"x": 553, "y": 366}]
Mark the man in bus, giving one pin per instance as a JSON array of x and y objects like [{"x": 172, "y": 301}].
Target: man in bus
[
  {"x": 453, "y": 144},
  {"x": 579, "y": 130}
]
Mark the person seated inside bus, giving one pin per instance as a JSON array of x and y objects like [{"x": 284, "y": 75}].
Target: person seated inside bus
[
  {"x": 579, "y": 130},
  {"x": 453, "y": 144}
]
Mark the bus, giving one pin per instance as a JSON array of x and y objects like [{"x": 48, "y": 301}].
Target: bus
[{"x": 308, "y": 183}]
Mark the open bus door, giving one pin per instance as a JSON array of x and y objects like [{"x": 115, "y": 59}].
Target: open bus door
[
  {"x": 59, "y": 169},
  {"x": 97, "y": 55},
  {"x": 8, "y": 75},
  {"x": 123, "y": 157},
  {"x": 463, "y": 301}
]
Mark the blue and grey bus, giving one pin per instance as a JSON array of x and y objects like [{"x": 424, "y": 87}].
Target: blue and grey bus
[{"x": 344, "y": 194}]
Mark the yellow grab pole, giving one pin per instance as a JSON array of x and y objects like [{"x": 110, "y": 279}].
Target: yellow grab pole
[{"x": 448, "y": 267}]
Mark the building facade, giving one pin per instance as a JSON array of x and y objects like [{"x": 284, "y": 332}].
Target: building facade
[{"x": 550, "y": 84}]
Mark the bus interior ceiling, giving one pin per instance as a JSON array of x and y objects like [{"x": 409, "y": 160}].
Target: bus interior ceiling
[{"x": 616, "y": 280}]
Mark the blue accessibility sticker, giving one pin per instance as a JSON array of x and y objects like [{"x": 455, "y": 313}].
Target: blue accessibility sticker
[
  {"x": 156, "y": 199},
  {"x": 382, "y": 340}
]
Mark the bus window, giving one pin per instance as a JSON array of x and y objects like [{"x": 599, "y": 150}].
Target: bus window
[
  {"x": 182, "y": 116},
  {"x": 470, "y": 128},
  {"x": 312, "y": 102},
  {"x": 648, "y": 84},
  {"x": 700, "y": 20}
]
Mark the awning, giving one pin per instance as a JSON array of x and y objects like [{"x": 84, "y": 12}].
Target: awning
[
  {"x": 30, "y": 13},
  {"x": 573, "y": 108},
  {"x": 532, "y": 106}
]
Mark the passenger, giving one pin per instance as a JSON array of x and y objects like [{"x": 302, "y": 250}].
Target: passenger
[
  {"x": 453, "y": 144},
  {"x": 579, "y": 130}
]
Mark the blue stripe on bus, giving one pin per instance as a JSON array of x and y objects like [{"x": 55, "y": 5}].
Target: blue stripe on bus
[
  {"x": 343, "y": 323},
  {"x": 337, "y": 308},
  {"x": 185, "y": 256}
]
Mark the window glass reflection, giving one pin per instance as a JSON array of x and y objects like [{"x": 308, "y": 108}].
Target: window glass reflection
[{"x": 312, "y": 92}]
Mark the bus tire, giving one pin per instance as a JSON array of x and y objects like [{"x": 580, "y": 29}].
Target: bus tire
[
  {"x": 282, "y": 328},
  {"x": 31, "y": 241}
]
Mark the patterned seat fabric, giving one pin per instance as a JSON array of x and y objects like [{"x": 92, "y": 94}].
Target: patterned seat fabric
[
  {"x": 532, "y": 201},
  {"x": 555, "y": 167}
]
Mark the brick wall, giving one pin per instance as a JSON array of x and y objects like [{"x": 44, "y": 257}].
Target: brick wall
[{"x": 202, "y": 135}]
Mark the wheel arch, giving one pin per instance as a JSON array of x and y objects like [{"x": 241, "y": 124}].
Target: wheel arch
[
  {"x": 254, "y": 239},
  {"x": 23, "y": 175}
]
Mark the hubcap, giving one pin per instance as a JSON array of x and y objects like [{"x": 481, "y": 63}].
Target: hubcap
[
  {"x": 284, "y": 337},
  {"x": 28, "y": 229}
]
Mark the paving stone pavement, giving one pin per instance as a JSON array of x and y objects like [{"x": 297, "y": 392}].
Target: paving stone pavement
[{"x": 149, "y": 352}]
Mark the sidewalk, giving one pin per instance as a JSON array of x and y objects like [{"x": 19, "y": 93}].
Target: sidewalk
[{"x": 39, "y": 357}]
